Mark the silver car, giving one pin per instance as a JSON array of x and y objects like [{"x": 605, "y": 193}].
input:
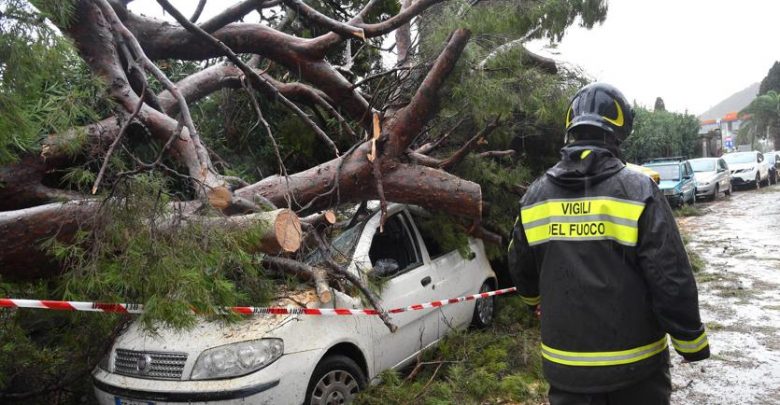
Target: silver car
[{"x": 712, "y": 177}]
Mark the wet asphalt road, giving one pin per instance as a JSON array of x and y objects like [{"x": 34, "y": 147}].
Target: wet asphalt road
[{"x": 739, "y": 294}]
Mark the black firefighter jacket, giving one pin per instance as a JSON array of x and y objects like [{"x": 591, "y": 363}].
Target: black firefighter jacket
[{"x": 598, "y": 246}]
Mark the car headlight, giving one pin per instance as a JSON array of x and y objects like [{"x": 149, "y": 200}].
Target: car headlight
[
  {"x": 237, "y": 359},
  {"x": 104, "y": 362}
]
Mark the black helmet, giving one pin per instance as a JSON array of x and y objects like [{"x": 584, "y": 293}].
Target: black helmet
[{"x": 602, "y": 106}]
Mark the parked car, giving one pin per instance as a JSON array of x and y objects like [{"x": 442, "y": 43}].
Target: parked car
[
  {"x": 773, "y": 160},
  {"x": 712, "y": 176},
  {"x": 747, "y": 168},
  {"x": 646, "y": 171},
  {"x": 677, "y": 181},
  {"x": 294, "y": 359}
]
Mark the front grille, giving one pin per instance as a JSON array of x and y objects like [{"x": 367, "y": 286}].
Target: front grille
[{"x": 152, "y": 365}]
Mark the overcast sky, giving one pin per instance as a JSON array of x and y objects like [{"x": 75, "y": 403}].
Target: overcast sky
[{"x": 693, "y": 53}]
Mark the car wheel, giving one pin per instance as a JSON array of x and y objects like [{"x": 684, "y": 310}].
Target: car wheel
[
  {"x": 728, "y": 192},
  {"x": 758, "y": 181},
  {"x": 692, "y": 202},
  {"x": 485, "y": 308},
  {"x": 716, "y": 192},
  {"x": 336, "y": 380}
]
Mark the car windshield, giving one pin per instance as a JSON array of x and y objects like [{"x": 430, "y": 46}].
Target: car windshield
[
  {"x": 703, "y": 165},
  {"x": 668, "y": 172},
  {"x": 342, "y": 247},
  {"x": 770, "y": 158},
  {"x": 745, "y": 157}
]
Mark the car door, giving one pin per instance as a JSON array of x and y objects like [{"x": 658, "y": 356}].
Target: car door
[
  {"x": 724, "y": 178},
  {"x": 458, "y": 275},
  {"x": 688, "y": 182},
  {"x": 762, "y": 165},
  {"x": 404, "y": 279}
]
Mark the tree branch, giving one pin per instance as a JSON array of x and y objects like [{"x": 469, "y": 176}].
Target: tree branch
[
  {"x": 430, "y": 146},
  {"x": 95, "y": 42},
  {"x": 198, "y": 10},
  {"x": 355, "y": 280},
  {"x": 255, "y": 79},
  {"x": 497, "y": 153},
  {"x": 163, "y": 40},
  {"x": 232, "y": 14},
  {"x": 118, "y": 139},
  {"x": 458, "y": 156},
  {"x": 325, "y": 42},
  {"x": 409, "y": 121},
  {"x": 318, "y": 18}
]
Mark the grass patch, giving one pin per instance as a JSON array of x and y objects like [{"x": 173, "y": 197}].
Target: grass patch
[
  {"x": 710, "y": 277},
  {"x": 713, "y": 326},
  {"x": 697, "y": 262},
  {"x": 498, "y": 365},
  {"x": 742, "y": 293},
  {"x": 688, "y": 211}
]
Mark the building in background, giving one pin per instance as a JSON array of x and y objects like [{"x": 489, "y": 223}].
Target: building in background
[{"x": 719, "y": 124}]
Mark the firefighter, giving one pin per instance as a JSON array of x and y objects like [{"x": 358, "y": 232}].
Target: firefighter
[{"x": 597, "y": 246}]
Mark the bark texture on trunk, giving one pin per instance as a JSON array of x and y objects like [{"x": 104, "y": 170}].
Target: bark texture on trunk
[{"x": 23, "y": 234}]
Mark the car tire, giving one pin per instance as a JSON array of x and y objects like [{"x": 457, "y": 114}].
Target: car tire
[
  {"x": 336, "y": 379},
  {"x": 728, "y": 192},
  {"x": 758, "y": 181},
  {"x": 716, "y": 192},
  {"x": 484, "y": 308},
  {"x": 692, "y": 202}
]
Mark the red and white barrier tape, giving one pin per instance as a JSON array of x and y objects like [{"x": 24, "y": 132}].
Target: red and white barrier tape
[{"x": 137, "y": 309}]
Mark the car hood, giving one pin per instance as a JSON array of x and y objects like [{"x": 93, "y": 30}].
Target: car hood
[
  {"x": 207, "y": 334},
  {"x": 739, "y": 166},
  {"x": 668, "y": 184},
  {"x": 704, "y": 176}
]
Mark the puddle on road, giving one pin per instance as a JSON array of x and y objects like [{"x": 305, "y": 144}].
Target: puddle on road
[{"x": 739, "y": 294}]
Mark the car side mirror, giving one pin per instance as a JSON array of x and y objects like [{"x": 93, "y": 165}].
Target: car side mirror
[{"x": 385, "y": 267}]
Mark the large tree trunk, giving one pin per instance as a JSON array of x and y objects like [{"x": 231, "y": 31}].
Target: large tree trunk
[{"x": 24, "y": 233}]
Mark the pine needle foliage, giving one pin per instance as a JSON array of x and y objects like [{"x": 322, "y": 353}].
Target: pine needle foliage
[
  {"x": 140, "y": 251},
  {"x": 49, "y": 352},
  {"x": 44, "y": 86}
]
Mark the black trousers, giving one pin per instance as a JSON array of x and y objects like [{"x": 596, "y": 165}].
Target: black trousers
[{"x": 656, "y": 389}]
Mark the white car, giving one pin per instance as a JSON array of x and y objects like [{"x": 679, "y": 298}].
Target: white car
[
  {"x": 294, "y": 359},
  {"x": 747, "y": 168},
  {"x": 712, "y": 177}
]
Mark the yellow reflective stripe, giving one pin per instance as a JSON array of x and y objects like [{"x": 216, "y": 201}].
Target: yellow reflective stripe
[
  {"x": 531, "y": 300},
  {"x": 691, "y": 346},
  {"x": 589, "y": 359},
  {"x": 585, "y": 154},
  {"x": 615, "y": 207},
  {"x": 591, "y": 230},
  {"x": 509, "y": 249}
]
